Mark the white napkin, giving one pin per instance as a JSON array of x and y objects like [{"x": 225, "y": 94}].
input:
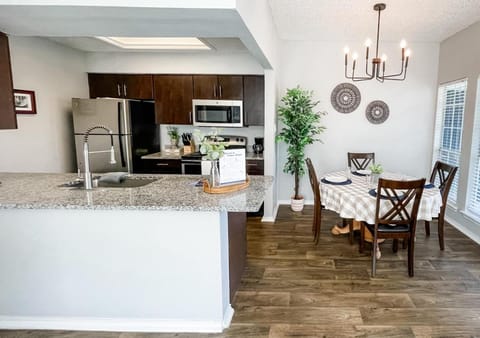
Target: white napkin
[{"x": 336, "y": 179}]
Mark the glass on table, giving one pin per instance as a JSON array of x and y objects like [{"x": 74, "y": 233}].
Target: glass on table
[{"x": 348, "y": 173}]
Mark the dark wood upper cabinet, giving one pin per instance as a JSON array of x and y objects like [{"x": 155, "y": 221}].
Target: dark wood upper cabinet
[
  {"x": 8, "y": 119},
  {"x": 173, "y": 98},
  {"x": 125, "y": 86},
  {"x": 218, "y": 87},
  {"x": 231, "y": 87},
  {"x": 254, "y": 100}
]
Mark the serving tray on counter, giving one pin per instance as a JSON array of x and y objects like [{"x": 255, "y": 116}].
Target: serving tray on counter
[{"x": 226, "y": 188}]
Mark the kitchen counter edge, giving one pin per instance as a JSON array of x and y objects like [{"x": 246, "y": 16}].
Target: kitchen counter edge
[{"x": 167, "y": 193}]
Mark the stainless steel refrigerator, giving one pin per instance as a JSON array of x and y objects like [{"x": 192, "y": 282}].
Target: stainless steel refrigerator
[{"x": 134, "y": 129}]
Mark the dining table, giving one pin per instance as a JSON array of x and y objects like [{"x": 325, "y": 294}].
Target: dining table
[{"x": 352, "y": 195}]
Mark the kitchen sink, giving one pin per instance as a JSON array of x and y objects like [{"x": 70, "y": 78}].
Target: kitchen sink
[{"x": 126, "y": 183}]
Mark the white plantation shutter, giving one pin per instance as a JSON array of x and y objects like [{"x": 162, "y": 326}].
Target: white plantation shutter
[
  {"x": 449, "y": 127},
  {"x": 473, "y": 200}
]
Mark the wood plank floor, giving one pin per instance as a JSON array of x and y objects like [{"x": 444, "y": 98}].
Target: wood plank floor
[{"x": 292, "y": 288}]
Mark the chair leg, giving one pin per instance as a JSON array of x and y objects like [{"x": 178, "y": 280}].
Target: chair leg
[
  {"x": 362, "y": 237},
  {"x": 427, "y": 228},
  {"x": 374, "y": 255},
  {"x": 317, "y": 231},
  {"x": 441, "y": 239},
  {"x": 350, "y": 234},
  {"x": 411, "y": 261},
  {"x": 395, "y": 245}
]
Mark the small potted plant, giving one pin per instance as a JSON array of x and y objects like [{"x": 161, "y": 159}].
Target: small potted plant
[
  {"x": 174, "y": 136},
  {"x": 301, "y": 128},
  {"x": 376, "y": 170}
]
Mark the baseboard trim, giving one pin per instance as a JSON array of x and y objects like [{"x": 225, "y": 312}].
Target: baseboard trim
[
  {"x": 287, "y": 202},
  {"x": 115, "y": 324},
  {"x": 473, "y": 236},
  {"x": 271, "y": 219},
  {"x": 228, "y": 316}
]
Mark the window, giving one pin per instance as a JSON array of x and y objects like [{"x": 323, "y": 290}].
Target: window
[
  {"x": 473, "y": 199},
  {"x": 449, "y": 126}
]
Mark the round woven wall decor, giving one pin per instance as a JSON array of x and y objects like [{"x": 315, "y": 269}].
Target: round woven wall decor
[
  {"x": 345, "y": 98},
  {"x": 377, "y": 112}
]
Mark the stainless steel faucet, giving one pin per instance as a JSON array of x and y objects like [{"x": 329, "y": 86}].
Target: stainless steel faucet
[{"x": 86, "y": 154}]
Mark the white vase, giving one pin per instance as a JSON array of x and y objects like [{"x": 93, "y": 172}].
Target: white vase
[{"x": 296, "y": 204}]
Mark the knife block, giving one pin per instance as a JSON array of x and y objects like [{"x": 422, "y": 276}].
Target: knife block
[{"x": 187, "y": 149}]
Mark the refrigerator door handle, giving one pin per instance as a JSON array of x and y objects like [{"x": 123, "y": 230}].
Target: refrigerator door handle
[{"x": 120, "y": 134}]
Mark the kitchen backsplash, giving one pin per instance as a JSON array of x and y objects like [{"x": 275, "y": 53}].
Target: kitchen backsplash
[{"x": 249, "y": 132}]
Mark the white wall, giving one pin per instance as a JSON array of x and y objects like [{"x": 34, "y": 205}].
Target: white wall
[
  {"x": 114, "y": 270},
  {"x": 403, "y": 143},
  {"x": 43, "y": 142},
  {"x": 459, "y": 58}
]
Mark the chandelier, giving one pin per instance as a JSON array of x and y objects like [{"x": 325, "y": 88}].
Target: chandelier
[{"x": 378, "y": 64}]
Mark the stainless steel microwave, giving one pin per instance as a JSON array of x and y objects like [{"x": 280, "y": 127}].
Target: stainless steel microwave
[{"x": 217, "y": 113}]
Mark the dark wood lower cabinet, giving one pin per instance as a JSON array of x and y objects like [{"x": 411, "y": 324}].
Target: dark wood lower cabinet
[
  {"x": 161, "y": 167},
  {"x": 8, "y": 119},
  {"x": 255, "y": 167},
  {"x": 237, "y": 244}
]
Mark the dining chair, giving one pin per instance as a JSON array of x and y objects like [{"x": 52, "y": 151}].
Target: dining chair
[
  {"x": 442, "y": 176},
  {"x": 357, "y": 161},
  {"x": 360, "y": 161},
  {"x": 317, "y": 205},
  {"x": 395, "y": 216}
]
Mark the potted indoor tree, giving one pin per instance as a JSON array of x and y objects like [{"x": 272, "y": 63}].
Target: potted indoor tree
[{"x": 301, "y": 128}]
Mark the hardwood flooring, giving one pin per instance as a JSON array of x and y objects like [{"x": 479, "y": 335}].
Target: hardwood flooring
[{"x": 292, "y": 288}]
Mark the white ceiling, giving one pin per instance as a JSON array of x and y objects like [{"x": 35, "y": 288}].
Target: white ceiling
[
  {"x": 222, "y": 28},
  {"x": 345, "y": 20}
]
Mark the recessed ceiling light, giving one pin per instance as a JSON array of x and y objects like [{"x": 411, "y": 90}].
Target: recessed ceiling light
[{"x": 155, "y": 43}]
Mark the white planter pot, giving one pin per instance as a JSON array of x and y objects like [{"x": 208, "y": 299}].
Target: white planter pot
[{"x": 297, "y": 205}]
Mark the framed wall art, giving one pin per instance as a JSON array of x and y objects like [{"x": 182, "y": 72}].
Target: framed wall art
[
  {"x": 345, "y": 98},
  {"x": 24, "y": 101}
]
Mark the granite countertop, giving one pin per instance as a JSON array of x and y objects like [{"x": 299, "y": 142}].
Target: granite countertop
[
  {"x": 169, "y": 192},
  {"x": 177, "y": 156}
]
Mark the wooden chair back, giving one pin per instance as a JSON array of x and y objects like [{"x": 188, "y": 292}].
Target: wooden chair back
[
  {"x": 360, "y": 161},
  {"x": 403, "y": 200},
  {"x": 442, "y": 176},
  {"x": 317, "y": 204}
]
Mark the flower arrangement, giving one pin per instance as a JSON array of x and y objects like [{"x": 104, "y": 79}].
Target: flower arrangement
[
  {"x": 376, "y": 168},
  {"x": 211, "y": 145}
]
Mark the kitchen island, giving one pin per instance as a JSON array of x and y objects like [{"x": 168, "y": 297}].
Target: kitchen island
[{"x": 154, "y": 258}]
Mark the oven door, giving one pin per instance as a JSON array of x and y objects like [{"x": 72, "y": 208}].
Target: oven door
[{"x": 191, "y": 167}]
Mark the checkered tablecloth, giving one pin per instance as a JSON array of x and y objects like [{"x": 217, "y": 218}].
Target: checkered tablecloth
[{"x": 353, "y": 200}]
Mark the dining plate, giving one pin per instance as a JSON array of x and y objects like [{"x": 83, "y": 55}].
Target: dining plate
[
  {"x": 336, "y": 179},
  {"x": 364, "y": 171}
]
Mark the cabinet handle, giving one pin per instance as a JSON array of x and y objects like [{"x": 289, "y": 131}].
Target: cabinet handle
[
  {"x": 252, "y": 164},
  {"x": 214, "y": 91},
  {"x": 190, "y": 117},
  {"x": 125, "y": 89},
  {"x": 162, "y": 164},
  {"x": 118, "y": 90},
  {"x": 220, "y": 91}
]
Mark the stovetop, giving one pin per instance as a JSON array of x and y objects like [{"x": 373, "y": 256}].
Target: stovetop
[{"x": 232, "y": 142}]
